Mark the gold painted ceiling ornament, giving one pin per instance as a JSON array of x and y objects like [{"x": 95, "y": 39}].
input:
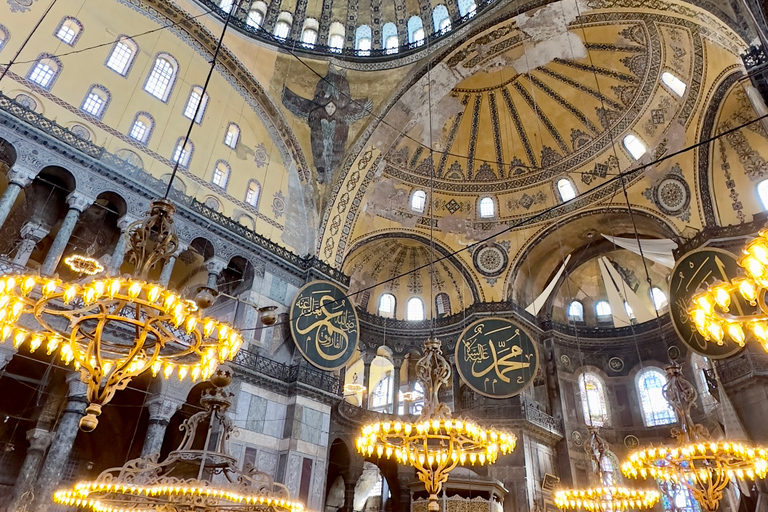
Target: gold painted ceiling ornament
[
  {"x": 606, "y": 496},
  {"x": 193, "y": 478},
  {"x": 115, "y": 328},
  {"x": 702, "y": 465},
  {"x": 436, "y": 443},
  {"x": 84, "y": 264},
  {"x": 715, "y": 313}
]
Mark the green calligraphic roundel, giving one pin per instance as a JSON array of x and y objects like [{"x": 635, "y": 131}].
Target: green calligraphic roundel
[
  {"x": 691, "y": 275},
  {"x": 496, "y": 357},
  {"x": 324, "y": 325}
]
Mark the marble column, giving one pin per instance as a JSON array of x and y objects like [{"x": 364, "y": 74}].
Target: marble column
[
  {"x": 118, "y": 255},
  {"x": 6, "y": 354},
  {"x": 61, "y": 446},
  {"x": 23, "y": 490},
  {"x": 18, "y": 178},
  {"x": 77, "y": 204},
  {"x": 456, "y": 385},
  {"x": 161, "y": 409},
  {"x": 31, "y": 233},
  {"x": 214, "y": 266},
  {"x": 349, "y": 495},
  {"x": 165, "y": 274},
  {"x": 367, "y": 359},
  {"x": 397, "y": 363}
]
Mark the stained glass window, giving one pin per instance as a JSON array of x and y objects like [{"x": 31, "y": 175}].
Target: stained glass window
[
  {"x": 677, "y": 497},
  {"x": 656, "y": 409},
  {"x": 593, "y": 400}
]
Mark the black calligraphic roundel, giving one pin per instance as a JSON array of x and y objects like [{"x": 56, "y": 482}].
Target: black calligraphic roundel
[
  {"x": 496, "y": 357},
  {"x": 691, "y": 275},
  {"x": 324, "y": 325}
]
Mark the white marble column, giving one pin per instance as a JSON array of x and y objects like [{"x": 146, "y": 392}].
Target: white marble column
[
  {"x": 161, "y": 410},
  {"x": 165, "y": 274},
  {"x": 61, "y": 447},
  {"x": 23, "y": 490},
  {"x": 215, "y": 266},
  {"x": 116, "y": 261},
  {"x": 31, "y": 233},
  {"x": 77, "y": 204},
  {"x": 18, "y": 178}
]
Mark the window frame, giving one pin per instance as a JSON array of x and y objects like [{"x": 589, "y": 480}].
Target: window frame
[
  {"x": 183, "y": 162},
  {"x": 394, "y": 305},
  {"x": 75, "y": 36},
  {"x": 559, "y": 187},
  {"x": 150, "y": 129},
  {"x": 237, "y": 136},
  {"x": 250, "y": 17},
  {"x": 227, "y": 174},
  {"x": 422, "y": 194},
  {"x": 104, "y": 101},
  {"x": 6, "y": 36},
  {"x": 414, "y": 300},
  {"x": 676, "y": 83},
  {"x": 653, "y": 298},
  {"x": 632, "y": 140},
  {"x": 640, "y": 377},
  {"x": 171, "y": 80},
  {"x": 762, "y": 193},
  {"x": 363, "y": 33},
  {"x": 603, "y": 318},
  {"x": 202, "y": 102},
  {"x": 133, "y": 46},
  {"x": 587, "y": 407},
  {"x": 438, "y": 20},
  {"x": 571, "y": 317},
  {"x": 54, "y": 75},
  {"x": 480, "y": 203},
  {"x": 253, "y": 204}
]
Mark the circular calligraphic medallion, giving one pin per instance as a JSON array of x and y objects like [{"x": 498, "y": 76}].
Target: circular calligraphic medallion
[
  {"x": 324, "y": 325},
  {"x": 496, "y": 357},
  {"x": 693, "y": 273}
]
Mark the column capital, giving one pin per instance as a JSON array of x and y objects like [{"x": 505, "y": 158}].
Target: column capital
[
  {"x": 34, "y": 230},
  {"x": 162, "y": 408},
  {"x": 215, "y": 265},
  {"x": 125, "y": 221},
  {"x": 76, "y": 385},
  {"x": 79, "y": 201},
  {"x": 39, "y": 439},
  {"x": 21, "y": 175},
  {"x": 368, "y": 358}
]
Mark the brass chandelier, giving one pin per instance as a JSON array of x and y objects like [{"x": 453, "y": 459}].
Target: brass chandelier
[
  {"x": 115, "y": 328},
  {"x": 606, "y": 495},
  {"x": 436, "y": 443},
  {"x": 712, "y": 311},
  {"x": 702, "y": 465},
  {"x": 193, "y": 478}
]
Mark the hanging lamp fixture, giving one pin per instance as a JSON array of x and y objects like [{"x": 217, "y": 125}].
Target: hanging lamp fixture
[
  {"x": 704, "y": 466},
  {"x": 435, "y": 443},
  {"x": 716, "y": 312},
  {"x": 193, "y": 478},
  {"x": 606, "y": 495}
]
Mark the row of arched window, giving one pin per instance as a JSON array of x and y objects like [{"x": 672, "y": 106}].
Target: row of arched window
[
  {"x": 363, "y": 41},
  {"x": 603, "y": 310},
  {"x": 414, "y": 307},
  {"x": 650, "y": 383}
]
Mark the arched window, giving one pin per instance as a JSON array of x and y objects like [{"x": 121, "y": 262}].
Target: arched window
[
  {"x": 389, "y": 38},
  {"x": 387, "y": 305},
  {"x": 486, "y": 208},
  {"x": 635, "y": 146},
  {"x": 226, "y": 5},
  {"x": 4, "y": 36},
  {"x": 232, "y": 136},
  {"x": 69, "y": 30},
  {"x": 161, "y": 78},
  {"x": 183, "y": 154},
  {"x": 142, "y": 126},
  {"x": 96, "y": 101},
  {"x": 441, "y": 19},
  {"x": 309, "y": 32},
  {"x": 576, "y": 311},
  {"x": 442, "y": 304},
  {"x": 676, "y": 497},
  {"x": 656, "y": 409},
  {"x": 122, "y": 55},
  {"x": 336, "y": 36},
  {"x": 762, "y": 191},
  {"x": 417, "y": 398},
  {"x": 252, "y": 194},
  {"x": 418, "y": 201},
  {"x": 659, "y": 298},
  {"x": 566, "y": 189},
  {"x": 256, "y": 14},
  {"x": 593, "y": 402},
  {"x": 193, "y": 102},
  {"x": 363, "y": 40},
  {"x": 675, "y": 84},
  {"x": 414, "y": 309},
  {"x": 467, "y": 8},
  {"x": 381, "y": 396},
  {"x": 283, "y": 25},
  {"x": 221, "y": 174},
  {"x": 415, "y": 30},
  {"x": 45, "y": 70},
  {"x": 603, "y": 311}
]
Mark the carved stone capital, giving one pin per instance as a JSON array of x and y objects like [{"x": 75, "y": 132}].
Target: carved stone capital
[
  {"x": 79, "y": 201},
  {"x": 21, "y": 175},
  {"x": 162, "y": 408},
  {"x": 39, "y": 439},
  {"x": 76, "y": 385},
  {"x": 34, "y": 231},
  {"x": 215, "y": 265},
  {"x": 125, "y": 221}
]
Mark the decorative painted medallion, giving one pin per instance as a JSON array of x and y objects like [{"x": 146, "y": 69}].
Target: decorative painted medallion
[
  {"x": 616, "y": 364},
  {"x": 490, "y": 260},
  {"x": 324, "y": 325},
  {"x": 631, "y": 442},
  {"x": 496, "y": 357},
  {"x": 692, "y": 273}
]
